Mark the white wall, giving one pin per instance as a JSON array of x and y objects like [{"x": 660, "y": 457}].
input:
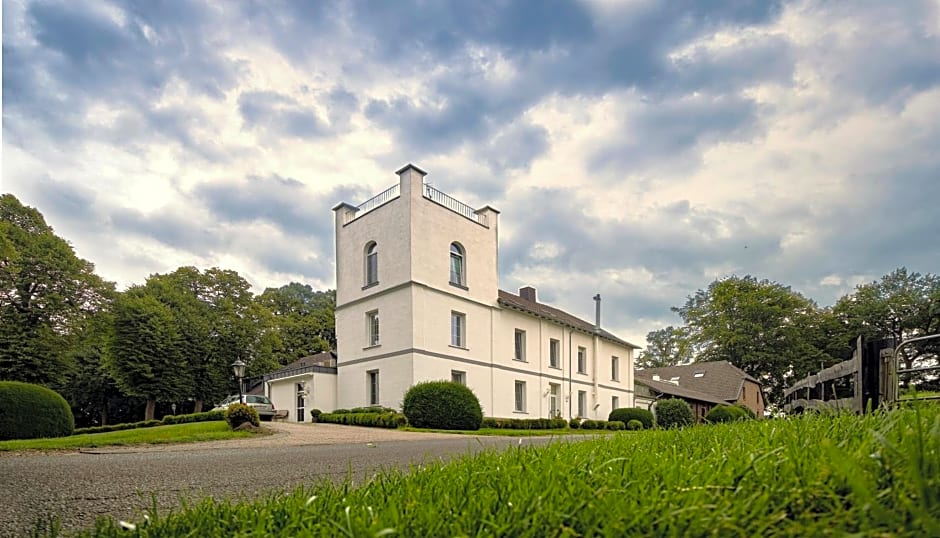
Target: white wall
[{"x": 321, "y": 389}]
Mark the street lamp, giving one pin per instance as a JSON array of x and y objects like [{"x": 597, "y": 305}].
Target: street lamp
[{"x": 238, "y": 367}]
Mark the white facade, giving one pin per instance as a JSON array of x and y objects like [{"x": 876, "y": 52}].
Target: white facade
[{"x": 417, "y": 299}]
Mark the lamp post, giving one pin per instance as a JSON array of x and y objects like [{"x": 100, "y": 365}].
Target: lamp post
[{"x": 238, "y": 367}]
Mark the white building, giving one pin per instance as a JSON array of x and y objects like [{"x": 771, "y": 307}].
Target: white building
[{"x": 417, "y": 299}]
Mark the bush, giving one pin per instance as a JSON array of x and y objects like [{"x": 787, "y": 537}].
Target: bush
[
  {"x": 525, "y": 423},
  {"x": 375, "y": 420},
  {"x": 634, "y": 425},
  {"x": 239, "y": 413},
  {"x": 442, "y": 405},
  {"x": 615, "y": 425},
  {"x": 748, "y": 412},
  {"x": 30, "y": 411},
  {"x": 119, "y": 427},
  {"x": 206, "y": 416},
  {"x": 315, "y": 415},
  {"x": 724, "y": 413},
  {"x": 673, "y": 413},
  {"x": 574, "y": 423},
  {"x": 594, "y": 424},
  {"x": 626, "y": 414}
]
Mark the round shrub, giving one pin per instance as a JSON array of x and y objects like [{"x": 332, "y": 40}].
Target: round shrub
[
  {"x": 574, "y": 423},
  {"x": 748, "y": 412},
  {"x": 31, "y": 411},
  {"x": 673, "y": 413},
  {"x": 634, "y": 425},
  {"x": 442, "y": 405},
  {"x": 239, "y": 413},
  {"x": 722, "y": 413},
  {"x": 615, "y": 425},
  {"x": 626, "y": 414},
  {"x": 315, "y": 415}
]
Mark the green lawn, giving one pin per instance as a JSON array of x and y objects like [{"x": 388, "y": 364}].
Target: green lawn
[
  {"x": 177, "y": 433},
  {"x": 814, "y": 475},
  {"x": 513, "y": 433}
]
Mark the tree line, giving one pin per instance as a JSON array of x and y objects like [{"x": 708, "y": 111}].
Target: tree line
[
  {"x": 117, "y": 355},
  {"x": 778, "y": 336}
]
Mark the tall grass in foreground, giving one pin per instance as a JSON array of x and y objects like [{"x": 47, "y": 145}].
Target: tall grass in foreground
[{"x": 809, "y": 476}]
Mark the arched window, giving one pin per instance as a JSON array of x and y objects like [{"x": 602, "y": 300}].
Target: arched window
[
  {"x": 372, "y": 264},
  {"x": 458, "y": 267}
]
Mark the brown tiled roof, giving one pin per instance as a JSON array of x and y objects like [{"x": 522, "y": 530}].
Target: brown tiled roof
[
  {"x": 515, "y": 302},
  {"x": 663, "y": 387},
  {"x": 324, "y": 358},
  {"x": 721, "y": 379}
]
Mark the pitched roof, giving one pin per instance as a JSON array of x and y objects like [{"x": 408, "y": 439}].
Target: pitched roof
[
  {"x": 515, "y": 302},
  {"x": 325, "y": 359},
  {"x": 664, "y": 387},
  {"x": 721, "y": 379}
]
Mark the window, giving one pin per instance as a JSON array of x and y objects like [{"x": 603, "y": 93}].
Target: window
[
  {"x": 554, "y": 397},
  {"x": 615, "y": 368},
  {"x": 520, "y": 345},
  {"x": 553, "y": 353},
  {"x": 582, "y": 403},
  {"x": 520, "y": 396},
  {"x": 458, "y": 377},
  {"x": 458, "y": 329},
  {"x": 372, "y": 327},
  {"x": 458, "y": 275},
  {"x": 301, "y": 396},
  {"x": 614, "y": 402},
  {"x": 582, "y": 360},
  {"x": 372, "y": 378},
  {"x": 372, "y": 264}
]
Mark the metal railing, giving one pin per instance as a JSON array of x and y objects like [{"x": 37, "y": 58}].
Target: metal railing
[
  {"x": 453, "y": 204},
  {"x": 376, "y": 201}
]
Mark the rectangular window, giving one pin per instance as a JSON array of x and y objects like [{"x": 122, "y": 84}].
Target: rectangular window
[
  {"x": 554, "y": 352},
  {"x": 520, "y": 396},
  {"x": 615, "y": 368},
  {"x": 458, "y": 329},
  {"x": 372, "y": 327},
  {"x": 614, "y": 402},
  {"x": 582, "y": 360},
  {"x": 554, "y": 400},
  {"x": 458, "y": 377},
  {"x": 301, "y": 397},
  {"x": 373, "y": 381},
  {"x": 582, "y": 403},
  {"x": 520, "y": 345}
]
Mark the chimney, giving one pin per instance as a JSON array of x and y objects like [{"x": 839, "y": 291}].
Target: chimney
[
  {"x": 529, "y": 294},
  {"x": 597, "y": 312}
]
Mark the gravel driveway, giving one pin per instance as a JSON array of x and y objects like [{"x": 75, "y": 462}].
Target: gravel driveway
[{"x": 123, "y": 482}]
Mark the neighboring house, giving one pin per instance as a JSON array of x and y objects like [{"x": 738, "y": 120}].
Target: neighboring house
[
  {"x": 305, "y": 384},
  {"x": 702, "y": 384},
  {"x": 417, "y": 299}
]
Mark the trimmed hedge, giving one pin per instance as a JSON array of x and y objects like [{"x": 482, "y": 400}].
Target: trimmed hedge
[
  {"x": 442, "y": 405},
  {"x": 525, "y": 423},
  {"x": 30, "y": 411},
  {"x": 374, "y": 420},
  {"x": 673, "y": 413},
  {"x": 615, "y": 425},
  {"x": 206, "y": 416},
  {"x": 626, "y": 414},
  {"x": 373, "y": 409},
  {"x": 119, "y": 427},
  {"x": 634, "y": 425},
  {"x": 746, "y": 410},
  {"x": 574, "y": 423},
  {"x": 239, "y": 413},
  {"x": 315, "y": 415}
]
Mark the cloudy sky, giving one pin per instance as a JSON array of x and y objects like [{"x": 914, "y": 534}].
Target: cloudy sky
[{"x": 639, "y": 149}]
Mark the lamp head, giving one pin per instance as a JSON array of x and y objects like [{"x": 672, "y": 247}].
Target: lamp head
[{"x": 238, "y": 367}]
